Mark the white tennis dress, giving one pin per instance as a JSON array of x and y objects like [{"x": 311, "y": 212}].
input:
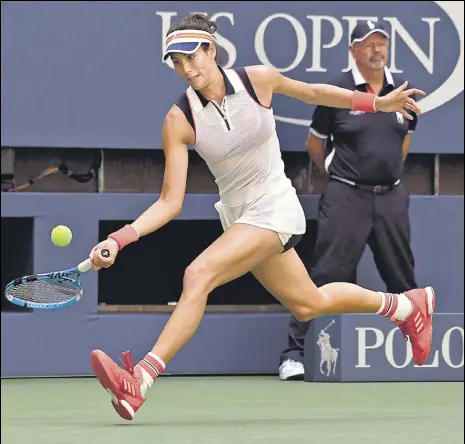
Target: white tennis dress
[{"x": 238, "y": 141}]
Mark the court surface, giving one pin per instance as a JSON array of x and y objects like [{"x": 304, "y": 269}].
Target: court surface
[{"x": 234, "y": 410}]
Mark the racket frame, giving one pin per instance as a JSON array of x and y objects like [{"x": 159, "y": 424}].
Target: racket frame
[{"x": 63, "y": 275}]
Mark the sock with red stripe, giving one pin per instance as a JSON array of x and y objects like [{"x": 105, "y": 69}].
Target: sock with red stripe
[
  {"x": 397, "y": 306},
  {"x": 151, "y": 366}
]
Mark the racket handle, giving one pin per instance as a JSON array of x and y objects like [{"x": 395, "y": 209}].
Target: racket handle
[{"x": 85, "y": 266}]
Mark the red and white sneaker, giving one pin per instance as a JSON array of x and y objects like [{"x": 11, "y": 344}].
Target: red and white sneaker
[
  {"x": 122, "y": 384},
  {"x": 418, "y": 327}
]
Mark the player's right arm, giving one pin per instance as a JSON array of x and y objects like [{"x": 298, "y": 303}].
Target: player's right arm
[{"x": 177, "y": 134}]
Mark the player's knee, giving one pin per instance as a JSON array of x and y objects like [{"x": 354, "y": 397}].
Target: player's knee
[
  {"x": 198, "y": 279},
  {"x": 314, "y": 307},
  {"x": 304, "y": 314}
]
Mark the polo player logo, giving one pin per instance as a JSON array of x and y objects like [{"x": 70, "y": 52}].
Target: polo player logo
[
  {"x": 329, "y": 354},
  {"x": 400, "y": 118}
]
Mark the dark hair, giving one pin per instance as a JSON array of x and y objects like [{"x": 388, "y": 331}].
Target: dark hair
[{"x": 200, "y": 22}]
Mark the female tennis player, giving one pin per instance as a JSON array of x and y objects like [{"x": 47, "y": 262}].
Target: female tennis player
[{"x": 226, "y": 115}]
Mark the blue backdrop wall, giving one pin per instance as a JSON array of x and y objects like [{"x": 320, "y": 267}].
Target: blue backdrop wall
[{"x": 89, "y": 74}]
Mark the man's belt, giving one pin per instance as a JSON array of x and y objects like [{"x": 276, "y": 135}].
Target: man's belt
[{"x": 375, "y": 189}]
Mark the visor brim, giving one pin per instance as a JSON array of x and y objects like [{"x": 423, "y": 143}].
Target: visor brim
[{"x": 182, "y": 47}]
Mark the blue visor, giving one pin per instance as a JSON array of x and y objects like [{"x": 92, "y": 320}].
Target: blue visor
[{"x": 183, "y": 47}]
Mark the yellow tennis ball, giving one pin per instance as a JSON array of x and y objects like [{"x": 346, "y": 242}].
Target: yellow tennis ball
[{"x": 61, "y": 236}]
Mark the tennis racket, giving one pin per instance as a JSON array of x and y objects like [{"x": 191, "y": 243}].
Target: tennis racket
[{"x": 49, "y": 291}]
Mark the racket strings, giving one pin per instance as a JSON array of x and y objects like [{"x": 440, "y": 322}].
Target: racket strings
[{"x": 49, "y": 291}]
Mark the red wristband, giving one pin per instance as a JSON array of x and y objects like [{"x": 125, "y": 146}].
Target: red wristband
[
  {"x": 124, "y": 236},
  {"x": 363, "y": 102}
]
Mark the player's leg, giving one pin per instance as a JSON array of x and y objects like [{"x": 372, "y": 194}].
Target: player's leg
[
  {"x": 286, "y": 278},
  {"x": 239, "y": 249}
]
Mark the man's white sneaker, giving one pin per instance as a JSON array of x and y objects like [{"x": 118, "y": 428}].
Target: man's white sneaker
[{"x": 291, "y": 370}]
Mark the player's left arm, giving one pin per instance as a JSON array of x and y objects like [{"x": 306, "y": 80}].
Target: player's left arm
[{"x": 329, "y": 95}]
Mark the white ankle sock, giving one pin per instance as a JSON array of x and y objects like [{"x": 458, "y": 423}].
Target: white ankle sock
[
  {"x": 147, "y": 382},
  {"x": 404, "y": 308},
  {"x": 151, "y": 366},
  {"x": 397, "y": 306}
]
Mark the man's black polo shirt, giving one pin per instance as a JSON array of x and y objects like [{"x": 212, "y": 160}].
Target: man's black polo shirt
[{"x": 363, "y": 148}]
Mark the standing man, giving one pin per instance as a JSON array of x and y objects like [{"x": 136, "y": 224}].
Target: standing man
[{"x": 365, "y": 200}]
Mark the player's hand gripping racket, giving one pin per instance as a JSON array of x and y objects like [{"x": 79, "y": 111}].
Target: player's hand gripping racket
[{"x": 48, "y": 291}]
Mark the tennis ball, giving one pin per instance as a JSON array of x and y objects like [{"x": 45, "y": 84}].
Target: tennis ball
[{"x": 61, "y": 236}]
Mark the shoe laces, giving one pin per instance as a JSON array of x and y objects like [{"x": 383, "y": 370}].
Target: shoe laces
[{"x": 128, "y": 363}]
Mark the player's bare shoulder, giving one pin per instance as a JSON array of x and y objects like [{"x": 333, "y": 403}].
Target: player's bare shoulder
[
  {"x": 261, "y": 75},
  {"x": 175, "y": 117},
  {"x": 263, "y": 79},
  {"x": 271, "y": 79},
  {"x": 176, "y": 128}
]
